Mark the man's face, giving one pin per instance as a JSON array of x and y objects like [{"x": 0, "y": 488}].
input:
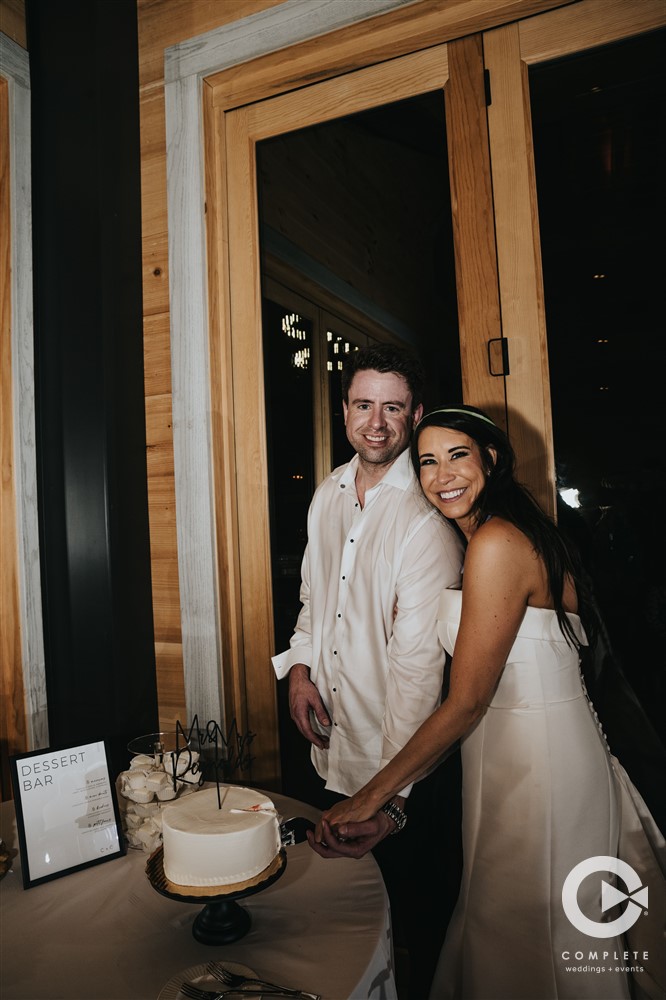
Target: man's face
[{"x": 378, "y": 417}]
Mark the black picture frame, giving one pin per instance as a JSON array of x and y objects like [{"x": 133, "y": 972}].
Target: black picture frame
[{"x": 67, "y": 814}]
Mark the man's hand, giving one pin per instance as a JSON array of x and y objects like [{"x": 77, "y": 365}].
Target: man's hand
[
  {"x": 303, "y": 698},
  {"x": 353, "y": 840}
]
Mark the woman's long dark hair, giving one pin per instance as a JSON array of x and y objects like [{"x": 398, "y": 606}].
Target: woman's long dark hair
[{"x": 504, "y": 497}]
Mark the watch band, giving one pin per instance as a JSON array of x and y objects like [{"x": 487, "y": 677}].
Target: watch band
[{"x": 395, "y": 813}]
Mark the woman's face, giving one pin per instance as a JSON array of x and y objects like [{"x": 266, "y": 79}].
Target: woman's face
[{"x": 452, "y": 473}]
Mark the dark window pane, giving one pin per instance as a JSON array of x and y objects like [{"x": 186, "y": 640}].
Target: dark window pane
[
  {"x": 599, "y": 145},
  {"x": 289, "y": 431}
]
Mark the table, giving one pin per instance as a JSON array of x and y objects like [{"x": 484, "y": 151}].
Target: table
[{"x": 104, "y": 933}]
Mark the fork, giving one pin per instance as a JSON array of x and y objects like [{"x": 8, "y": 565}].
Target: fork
[
  {"x": 229, "y": 978},
  {"x": 195, "y": 993}
]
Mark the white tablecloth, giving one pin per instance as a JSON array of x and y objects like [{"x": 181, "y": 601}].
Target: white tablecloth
[{"x": 104, "y": 933}]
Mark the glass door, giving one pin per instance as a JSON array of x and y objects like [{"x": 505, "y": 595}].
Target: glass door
[{"x": 600, "y": 156}]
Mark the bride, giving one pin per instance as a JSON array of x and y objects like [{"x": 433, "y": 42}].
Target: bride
[{"x": 541, "y": 792}]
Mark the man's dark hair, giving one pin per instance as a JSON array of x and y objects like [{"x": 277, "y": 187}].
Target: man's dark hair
[{"x": 385, "y": 358}]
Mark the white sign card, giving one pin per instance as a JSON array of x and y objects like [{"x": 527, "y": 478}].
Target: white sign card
[{"x": 66, "y": 811}]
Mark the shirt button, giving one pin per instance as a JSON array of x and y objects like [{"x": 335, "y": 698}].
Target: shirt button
[
  {"x": 351, "y": 539},
  {"x": 339, "y": 615},
  {"x": 344, "y": 578},
  {"x": 335, "y": 689},
  {"x": 342, "y": 486},
  {"x": 335, "y": 652}
]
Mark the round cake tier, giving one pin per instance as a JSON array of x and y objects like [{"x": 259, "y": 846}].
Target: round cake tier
[
  {"x": 211, "y": 894},
  {"x": 213, "y": 841}
]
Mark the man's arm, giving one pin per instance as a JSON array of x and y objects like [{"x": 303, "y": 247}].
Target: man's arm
[
  {"x": 295, "y": 662},
  {"x": 304, "y": 698}
]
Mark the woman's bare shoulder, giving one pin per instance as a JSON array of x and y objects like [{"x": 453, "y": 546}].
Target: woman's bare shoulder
[
  {"x": 497, "y": 533},
  {"x": 500, "y": 546}
]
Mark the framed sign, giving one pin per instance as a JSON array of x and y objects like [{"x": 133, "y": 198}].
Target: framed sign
[{"x": 66, "y": 811}]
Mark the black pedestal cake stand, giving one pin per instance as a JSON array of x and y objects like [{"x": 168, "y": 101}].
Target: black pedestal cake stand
[{"x": 222, "y": 920}]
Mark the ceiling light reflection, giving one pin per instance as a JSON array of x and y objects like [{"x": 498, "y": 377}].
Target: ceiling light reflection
[{"x": 570, "y": 497}]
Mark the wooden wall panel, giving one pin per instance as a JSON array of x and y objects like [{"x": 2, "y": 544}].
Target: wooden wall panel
[
  {"x": 12, "y": 21},
  {"x": 163, "y": 23},
  {"x": 158, "y": 359},
  {"x": 170, "y": 688},
  {"x": 156, "y": 285},
  {"x": 12, "y": 703}
]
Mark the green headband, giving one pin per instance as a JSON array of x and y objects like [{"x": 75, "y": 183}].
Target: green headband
[{"x": 465, "y": 413}]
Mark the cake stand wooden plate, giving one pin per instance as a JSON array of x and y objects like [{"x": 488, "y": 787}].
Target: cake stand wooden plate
[{"x": 222, "y": 920}]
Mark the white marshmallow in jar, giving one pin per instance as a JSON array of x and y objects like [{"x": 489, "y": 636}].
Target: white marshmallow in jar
[{"x": 163, "y": 767}]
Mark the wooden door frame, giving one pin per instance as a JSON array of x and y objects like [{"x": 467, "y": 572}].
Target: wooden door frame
[
  {"x": 265, "y": 54},
  {"x": 236, "y": 331}
]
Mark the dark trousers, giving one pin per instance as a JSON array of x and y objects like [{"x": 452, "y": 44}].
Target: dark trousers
[{"x": 422, "y": 867}]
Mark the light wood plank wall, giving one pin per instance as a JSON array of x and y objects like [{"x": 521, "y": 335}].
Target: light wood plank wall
[
  {"x": 161, "y": 24},
  {"x": 12, "y": 695},
  {"x": 12, "y": 702},
  {"x": 12, "y": 21}
]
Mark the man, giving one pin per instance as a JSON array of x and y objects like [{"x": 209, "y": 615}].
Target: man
[{"x": 365, "y": 666}]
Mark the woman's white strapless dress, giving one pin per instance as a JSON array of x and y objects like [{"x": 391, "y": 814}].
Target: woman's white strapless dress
[{"x": 542, "y": 793}]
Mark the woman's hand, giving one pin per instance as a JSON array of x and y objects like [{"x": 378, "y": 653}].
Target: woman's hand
[
  {"x": 350, "y": 829},
  {"x": 354, "y": 810}
]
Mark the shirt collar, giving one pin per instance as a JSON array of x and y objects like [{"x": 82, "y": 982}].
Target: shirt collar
[{"x": 400, "y": 475}]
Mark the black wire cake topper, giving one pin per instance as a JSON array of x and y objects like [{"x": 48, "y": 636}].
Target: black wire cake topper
[{"x": 224, "y": 754}]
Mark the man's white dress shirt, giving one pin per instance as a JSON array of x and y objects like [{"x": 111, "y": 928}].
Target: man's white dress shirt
[{"x": 371, "y": 580}]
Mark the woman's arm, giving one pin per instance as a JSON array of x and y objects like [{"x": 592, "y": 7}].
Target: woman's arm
[{"x": 500, "y": 572}]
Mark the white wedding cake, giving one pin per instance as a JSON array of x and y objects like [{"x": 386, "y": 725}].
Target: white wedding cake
[{"x": 208, "y": 845}]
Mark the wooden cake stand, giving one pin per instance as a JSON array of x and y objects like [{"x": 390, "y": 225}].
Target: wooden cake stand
[{"x": 222, "y": 920}]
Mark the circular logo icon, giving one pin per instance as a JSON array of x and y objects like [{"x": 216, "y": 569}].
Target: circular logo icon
[{"x": 637, "y": 897}]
